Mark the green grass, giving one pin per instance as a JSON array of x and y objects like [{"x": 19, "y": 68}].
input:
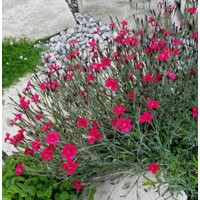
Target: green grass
[{"x": 14, "y": 67}]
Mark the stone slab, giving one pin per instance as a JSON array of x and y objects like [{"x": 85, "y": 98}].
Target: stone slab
[
  {"x": 35, "y": 19},
  {"x": 131, "y": 188},
  {"x": 123, "y": 9}
]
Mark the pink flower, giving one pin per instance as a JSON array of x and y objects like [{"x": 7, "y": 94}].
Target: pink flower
[
  {"x": 145, "y": 117},
  {"x": 69, "y": 151},
  {"x": 45, "y": 85},
  {"x": 124, "y": 124},
  {"x": 54, "y": 67},
  {"x": 147, "y": 78},
  {"x": 195, "y": 35},
  {"x": 17, "y": 117},
  {"x": 77, "y": 185},
  {"x": 35, "y": 98},
  {"x": 163, "y": 57},
  {"x": 46, "y": 126},
  {"x": 7, "y": 137},
  {"x": 112, "y": 84},
  {"x": 52, "y": 138},
  {"x": 95, "y": 124},
  {"x": 150, "y": 20},
  {"x": 19, "y": 169},
  {"x": 70, "y": 167},
  {"x": 28, "y": 151},
  {"x": 171, "y": 75},
  {"x": 73, "y": 41},
  {"x": 131, "y": 95},
  {"x": 46, "y": 154},
  {"x": 119, "y": 109},
  {"x": 153, "y": 167},
  {"x": 195, "y": 112},
  {"x": 158, "y": 77},
  {"x": 90, "y": 78},
  {"x": 105, "y": 62},
  {"x": 82, "y": 122},
  {"x": 54, "y": 85},
  {"x": 39, "y": 116},
  {"x": 94, "y": 135},
  {"x": 176, "y": 41},
  {"x": 192, "y": 72},
  {"x": 192, "y": 11},
  {"x": 112, "y": 24},
  {"x": 68, "y": 76},
  {"x": 36, "y": 145},
  {"x": 24, "y": 103},
  {"x": 124, "y": 23},
  {"x": 92, "y": 43},
  {"x": 27, "y": 88},
  {"x": 153, "y": 104}
]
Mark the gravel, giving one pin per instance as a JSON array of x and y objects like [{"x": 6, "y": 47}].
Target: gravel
[{"x": 87, "y": 29}]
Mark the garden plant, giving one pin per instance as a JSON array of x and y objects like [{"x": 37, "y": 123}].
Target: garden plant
[{"x": 130, "y": 108}]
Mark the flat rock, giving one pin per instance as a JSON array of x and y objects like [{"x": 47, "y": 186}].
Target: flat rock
[
  {"x": 124, "y": 9},
  {"x": 131, "y": 188},
  {"x": 35, "y": 19}
]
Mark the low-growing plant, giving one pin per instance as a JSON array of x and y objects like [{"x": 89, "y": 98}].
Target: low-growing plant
[
  {"x": 132, "y": 107},
  {"x": 18, "y": 59},
  {"x": 32, "y": 186}
]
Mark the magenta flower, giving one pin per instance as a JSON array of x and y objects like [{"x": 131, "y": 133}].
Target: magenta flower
[
  {"x": 46, "y": 154},
  {"x": 94, "y": 135},
  {"x": 69, "y": 151},
  {"x": 171, "y": 75},
  {"x": 153, "y": 167},
  {"x": 195, "y": 112},
  {"x": 52, "y": 138},
  {"x": 19, "y": 169},
  {"x": 35, "y": 98},
  {"x": 70, "y": 167},
  {"x": 119, "y": 109},
  {"x": 153, "y": 104},
  {"x": 145, "y": 117},
  {"x": 112, "y": 84},
  {"x": 36, "y": 145},
  {"x": 124, "y": 124},
  {"x": 77, "y": 185},
  {"x": 82, "y": 122}
]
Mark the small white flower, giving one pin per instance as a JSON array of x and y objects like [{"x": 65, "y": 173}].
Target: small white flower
[
  {"x": 21, "y": 57},
  {"x": 25, "y": 58},
  {"x": 7, "y": 63}
]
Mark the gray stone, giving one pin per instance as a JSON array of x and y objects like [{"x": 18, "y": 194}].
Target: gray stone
[
  {"x": 131, "y": 187},
  {"x": 101, "y": 46},
  {"x": 78, "y": 35},
  {"x": 57, "y": 47},
  {"x": 124, "y": 10},
  {"x": 89, "y": 35},
  {"x": 93, "y": 25},
  {"x": 103, "y": 28},
  {"x": 63, "y": 37},
  {"x": 78, "y": 28},
  {"x": 63, "y": 51},
  {"x": 51, "y": 49},
  {"x": 62, "y": 33},
  {"x": 56, "y": 38},
  {"x": 108, "y": 34},
  {"x": 70, "y": 31},
  {"x": 91, "y": 20},
  {"x": 35, "y": 19}
]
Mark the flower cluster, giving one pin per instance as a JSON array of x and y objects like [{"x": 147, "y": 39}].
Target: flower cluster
[{"x": 117, "y": 108}]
